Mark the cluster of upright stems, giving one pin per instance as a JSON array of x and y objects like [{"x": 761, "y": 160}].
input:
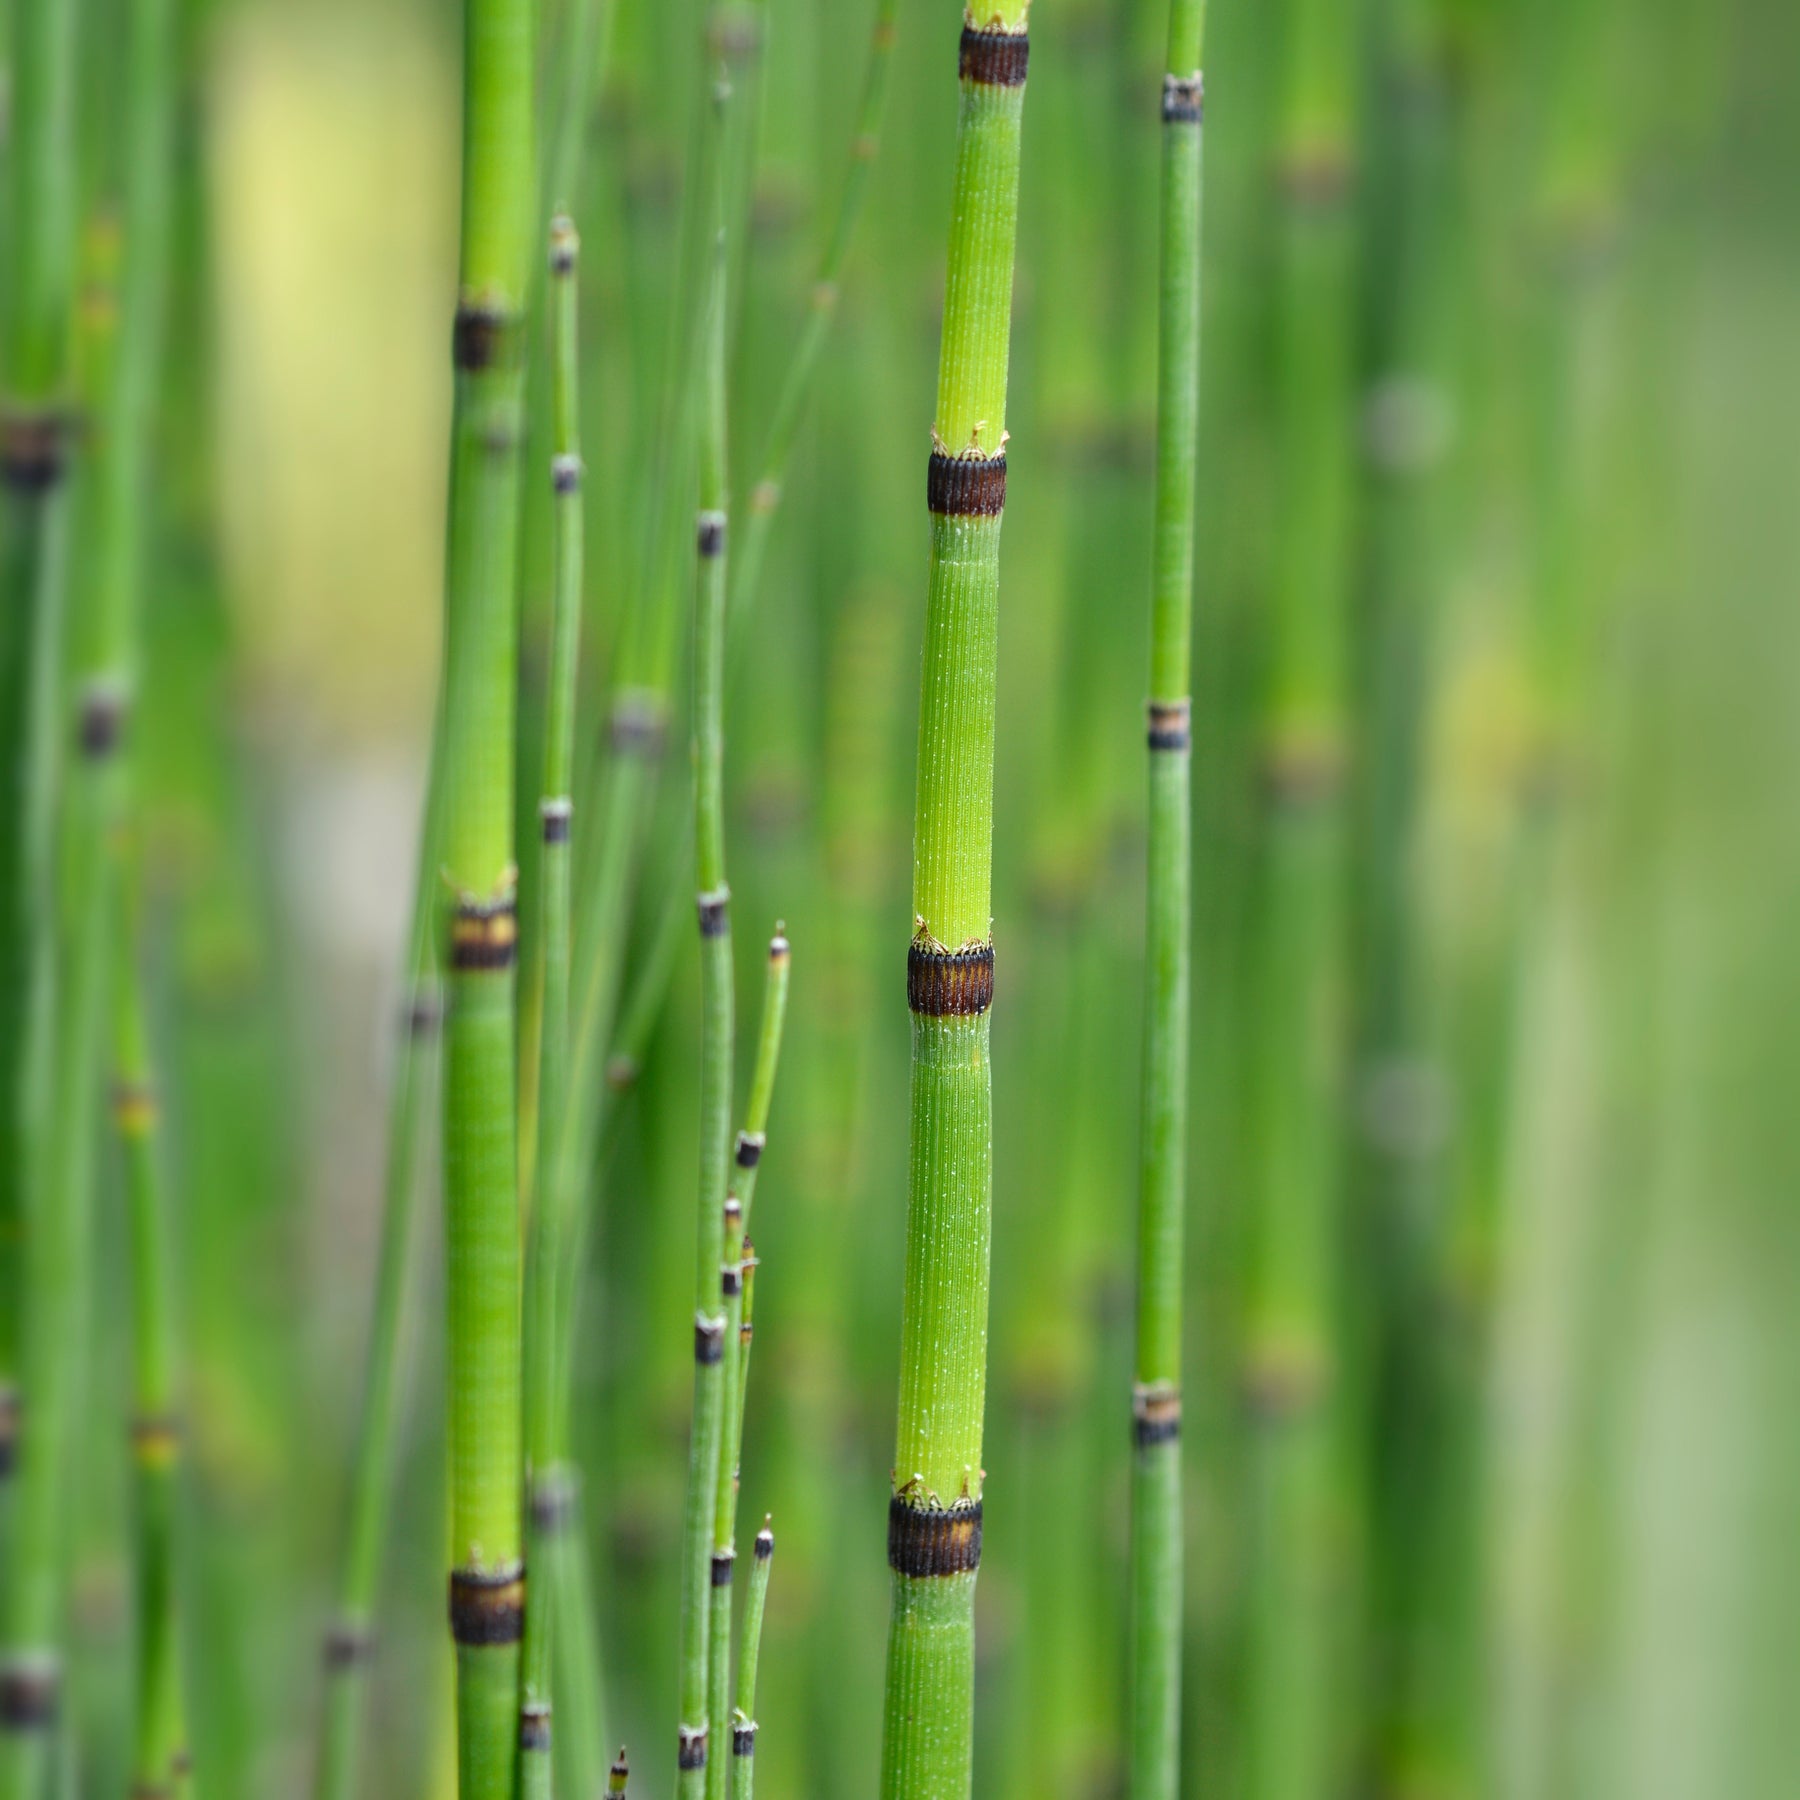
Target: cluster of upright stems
[{"x": 76, "y": 567}]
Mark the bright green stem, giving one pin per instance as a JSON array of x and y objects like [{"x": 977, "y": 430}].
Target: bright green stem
[
  {"x": 927, "y": 1739},
  {"x": 928, "y": 1724},
  {"x": 481, "y": 648},
  {"x": 743, "y": 1730},
  {"x": 552, "y": 1218},
  {"x": 1156, "y": 1561},
  {"x": 34, "y": 445},
  {"x": 796, "y": 385},
  {"x": 580, "y": 1733},
  {"x": 698, "y": 1602}
]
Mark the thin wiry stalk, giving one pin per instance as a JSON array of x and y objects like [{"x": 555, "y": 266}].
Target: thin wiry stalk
[
  {"x": 160, "y": 1745},
  {"x": 1292, "y": 1729},
  {"x": 552, "y": 1226},
  {"x": 747, "y": 1161},
  {"x": 34, "y": 455},
  {"x": 796, "y": 386},
  {"x": 934, "y": 1519},
  {"x": 481, "y": 1201},
  {"x": 1162, "y": 1195},
  {"x": 743, "y": 1725},
  {"x": 713, "y": 904}
]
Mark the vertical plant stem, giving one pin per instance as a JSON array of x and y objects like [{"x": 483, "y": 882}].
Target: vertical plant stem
[
  {"x": 796, "y": 385},
  {"x": 160, "y": 1746},
  {"x": 716, "y": 1030},
  {"x": 934, "y": 1517},
  {"x": 1296, "y": 1600},
  {"x": 552, "y": 1224},
  {"x": 1156, "y": 1556},
  {"x": 743, "y": 1725},
  {"x": 481, "y": 646},
  {"x": 34, "y": 454},
  {"x": 747, "y": 1160}
]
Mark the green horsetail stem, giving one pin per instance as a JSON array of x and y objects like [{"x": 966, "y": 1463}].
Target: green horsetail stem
[
  {"x": 1156, "y": 1557},
  {"x": 481, "y": 1200},
  {"x": 34, "y": 454},
  {"x": 160, "y": 1744},
  {"x": 934, "y": 1518},
  {"x": 713, "y": 904},
  {"x": 796, "y": 384},
  {"x": 743, "y": 1724},
  {"x": 733, "y": 1275},
  {"x": 160, "y": 1751},
  {"x": 53, "y": 980},
  {"x": 552, "y": 1221},
  {"x": 1294, "y": 1611}
]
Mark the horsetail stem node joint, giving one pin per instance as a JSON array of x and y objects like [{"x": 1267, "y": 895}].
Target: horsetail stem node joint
[{"x": 487, "y": 1606}]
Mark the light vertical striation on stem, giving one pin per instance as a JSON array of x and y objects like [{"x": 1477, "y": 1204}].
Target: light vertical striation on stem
[
  {"x": 934, "y": 1518},
  {"x": 481, "y": 1198}
]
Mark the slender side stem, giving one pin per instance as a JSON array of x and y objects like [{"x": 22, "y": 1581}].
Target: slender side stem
[
  {"x": 714, "y": 903},
  {"x": 934, "y": 1518},
  {"x": 796, "y": 385},
  {"x": 1296, "y": 1604},
  {"x": 743, "y": 1725},
  {"x": 160, "y": 1747},
  {"x": 34, "y": 455},
  {"x": 1156, "y": 1560},
  {"x": 552, "y": 1223},
  {"x": 481, "y": 649},
  {"x": 350, "y": 1640},
  {"x": 747, "y": 1160}
]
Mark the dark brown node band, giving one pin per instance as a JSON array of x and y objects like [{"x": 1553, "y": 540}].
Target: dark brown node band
[
  {"x": 993, "y": 58},
  {"x": 945, "y": 984},
  {"x": 424, "y": 1015},
  {"x": 348, "y": 1644},
  {"x": 731, "y": 1280},
  {"x": 1155, "y": 1415},
  {"x": 934, "y": 1540},
  {"x": 487, "y": 1609},
  {"x": 33, "y": 452},
  {"x": 1183, "y": 99},
  {"x": 749, "y": 1149},
  {"x": 534, "y": 1727},
  {"x": 690, "y": 1749},
  {"x": 556, "y": 815},
  {"x": 477, "y": 337},
  {"x": 764, "y": 1546},
  {"x": 484, "y": 934},
  {"x": 743, "y": 1739},
  {"x": 714, "y": 912},
  {"x": 552, "y": 1502},
  {"x": 723, "y": 1562},
  {"x": 966, "y": 487},
  {"x": 9, "y": 1429},
  {"x": 709, "y": 1341},
  {"x": 29, "y": 1696},
  {"x": 709, "y": 533},
  {"x": 636, "y": 727},
  {"x": 101, "y": 727},
  {"x": 565, "y": 474},
  {"x": 1169, "y": 725}
]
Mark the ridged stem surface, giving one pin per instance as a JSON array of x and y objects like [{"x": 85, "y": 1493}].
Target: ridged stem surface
[
  {"x": 743, "y": 1725},
  {"x": 481, "y": 1199},
  {"x": 934, "y": 1520}
]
